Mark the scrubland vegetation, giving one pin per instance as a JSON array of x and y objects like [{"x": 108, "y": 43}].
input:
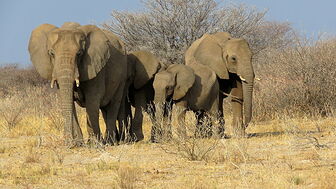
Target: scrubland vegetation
[{"x": 291, "y": 143}]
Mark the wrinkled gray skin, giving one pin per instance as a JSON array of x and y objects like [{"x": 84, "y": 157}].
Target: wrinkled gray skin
[
  {"x": 231, "y": 60},
  {"x": 192, "y": 87},
  {"x": 142, "y": 67},
  {"x": 88, "y": 65}
]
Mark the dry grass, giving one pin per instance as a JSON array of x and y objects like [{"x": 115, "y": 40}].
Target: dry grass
[{"x": 282, "y": 153}]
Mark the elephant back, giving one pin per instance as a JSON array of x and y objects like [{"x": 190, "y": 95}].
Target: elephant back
[
  {"x": 189, "y": 54},
  {"x": 70, "y": 25}
]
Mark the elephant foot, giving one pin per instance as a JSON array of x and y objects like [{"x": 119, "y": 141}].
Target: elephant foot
[
  {"x": 137, "y": 137},
  {"x": 111, "y": 142},
  {"x": 221, "y": 132},
  {"x": 74, "y": 143},
  {"x": 239, "y": 133},
  {"x": 95, "y": 142}
]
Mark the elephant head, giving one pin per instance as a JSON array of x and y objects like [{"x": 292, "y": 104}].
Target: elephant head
[
  {"x": 173, "y": 82},
  {"x": 227, "y": 56},
  {"x": 67, "y": 56}
]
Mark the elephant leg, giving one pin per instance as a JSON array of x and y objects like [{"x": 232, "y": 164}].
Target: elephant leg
[
  {"x": 112, "y": 109},
  {"x": 156, "y": 129},
  {"x": 136, "y": 127},
  {"x": 167, "y": 117},
  {"x": 158, "y": 122},
  {"x": 220, "y": 116},
  {"x": 203, "y": 127},
  {"x": 182, "y": 110},
  {"x": 77, "y": 132},
  {"x": 111, "y": 134},
  {"x": 92, "y": 117},
  {"x": 151, "y": 111},
  {"x": 128, "y": 119},
  {"x": 123, "y": 122},
  {"x": 237, "y": 110}
]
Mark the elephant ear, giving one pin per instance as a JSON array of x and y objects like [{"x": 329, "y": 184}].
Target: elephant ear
[
  {"x": 146, "y": 66},
  {"x": 97, "y": 52},
  {"x": 184, "y": 78},
  {"x": 210, "y": 53},
  {"x": 38, "y": 50}
]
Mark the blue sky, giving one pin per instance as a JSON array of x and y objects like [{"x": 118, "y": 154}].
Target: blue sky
[{"x": 19, "y": 17}]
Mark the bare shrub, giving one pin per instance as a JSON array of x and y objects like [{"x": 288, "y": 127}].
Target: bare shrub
[
  {"x": 12, "y": 109},
  {"x": 168, "y": 27},
  {"x": 53, "y": 111},
  {"x": 186, "y": 140},
  {"x": 297, "y": 80},
  {"x": 13, "y": 76}
]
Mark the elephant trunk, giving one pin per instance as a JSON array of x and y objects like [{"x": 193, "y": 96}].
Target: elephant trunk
[
  {"x": 65, "y": 77},
  {"x": 247, "y": 98},
  {"x": 246, "y": 74},
  {"x": 160, "y": 118},
  {"x": 160, "y": 101}
]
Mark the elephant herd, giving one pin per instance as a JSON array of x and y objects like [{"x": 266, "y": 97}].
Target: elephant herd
[{"x": 91, "y": 66}]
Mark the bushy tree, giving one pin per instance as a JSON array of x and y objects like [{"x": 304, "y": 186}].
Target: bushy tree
[{"x": 168, "y": 27}]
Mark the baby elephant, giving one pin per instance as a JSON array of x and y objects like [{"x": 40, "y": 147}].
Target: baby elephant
[{"x": 194, "y": 87}]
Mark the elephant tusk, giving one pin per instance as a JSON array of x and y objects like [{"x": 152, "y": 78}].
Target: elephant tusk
[
  {"x": 241, "y": 78},
  {"x": 52, "y": 83},
  {"x": 77, "y": 82}
]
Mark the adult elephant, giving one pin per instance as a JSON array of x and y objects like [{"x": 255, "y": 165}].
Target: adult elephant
[
  {"x": 194, "y": 87},
  {"x": 230, "y": 59},
  {"x": 85, "y": 62},
  {"x": 142, "y": 67}
]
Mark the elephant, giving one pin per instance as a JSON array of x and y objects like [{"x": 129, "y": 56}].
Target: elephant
[
  {"x": 231, "y": 60},
  {"x": 142, "y": 67},
  {"x": 88, "y": 65},
  {"x": 193, "y": 87}
]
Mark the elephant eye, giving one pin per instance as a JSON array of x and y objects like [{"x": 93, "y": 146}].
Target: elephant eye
[{"x": 233, "y": 59}]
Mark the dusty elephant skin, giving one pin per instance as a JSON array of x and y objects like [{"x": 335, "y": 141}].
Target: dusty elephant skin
[
  {"x": 141, "y": 69},
  {"x": 230, "y": 58},
  {"x": 192, "y": 87},
  {"x": 87, "y": 63}
]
